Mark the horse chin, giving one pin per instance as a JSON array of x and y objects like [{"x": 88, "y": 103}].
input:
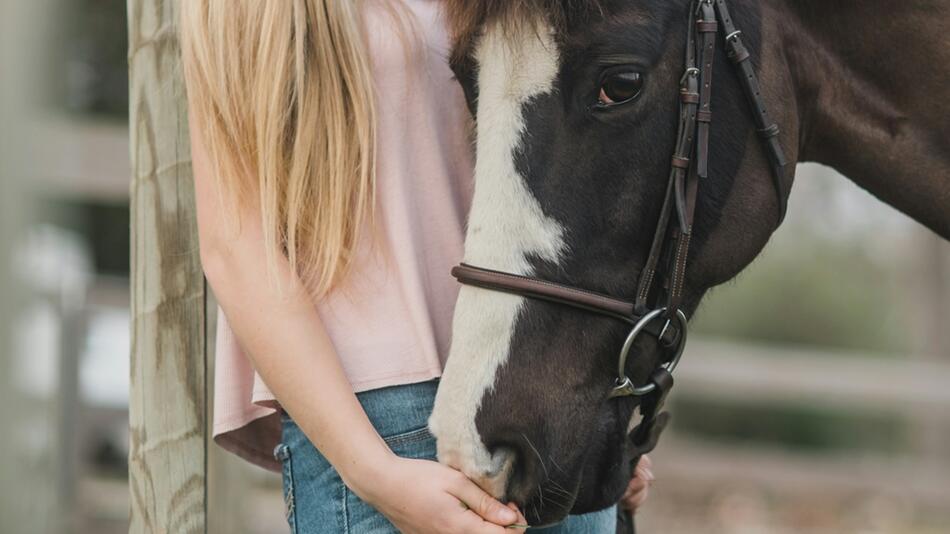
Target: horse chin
[
  {"x": 602, "y": 478},
  {"x": 601, "y": 486},
  {"x": 603, "y": 493}
]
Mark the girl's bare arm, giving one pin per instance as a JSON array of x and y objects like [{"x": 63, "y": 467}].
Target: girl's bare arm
[{"x": 288, "y": 345}]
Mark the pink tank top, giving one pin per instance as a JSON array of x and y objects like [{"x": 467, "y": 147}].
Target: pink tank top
[{"x": 390, "y": 320}]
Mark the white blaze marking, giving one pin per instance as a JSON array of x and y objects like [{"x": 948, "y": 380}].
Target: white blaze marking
[{"x": 505, "y": 225}]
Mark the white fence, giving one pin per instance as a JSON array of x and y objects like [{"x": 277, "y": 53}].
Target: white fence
[{"x": 916, "y": 391}]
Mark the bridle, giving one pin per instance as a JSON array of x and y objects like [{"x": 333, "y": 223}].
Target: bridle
[{"x": 664, "y": 320}]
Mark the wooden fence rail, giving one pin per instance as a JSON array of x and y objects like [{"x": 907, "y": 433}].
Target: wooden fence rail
[{"x": 754, "y": 373}]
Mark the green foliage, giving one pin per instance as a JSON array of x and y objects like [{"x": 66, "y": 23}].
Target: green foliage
[
  {"x": 802, "y": 426},
  {"x": 809, "y": 293}
]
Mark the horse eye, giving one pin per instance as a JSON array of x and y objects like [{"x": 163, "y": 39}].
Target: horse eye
[{"x": 620, "y": 87}]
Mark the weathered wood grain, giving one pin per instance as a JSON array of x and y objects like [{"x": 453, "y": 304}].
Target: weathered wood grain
[
  {"x": 229, "y": 486},
  {"x": 169, "y": 393}
]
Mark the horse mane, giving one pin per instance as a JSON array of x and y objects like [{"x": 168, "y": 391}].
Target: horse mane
[{"x": 466, "y": 17}]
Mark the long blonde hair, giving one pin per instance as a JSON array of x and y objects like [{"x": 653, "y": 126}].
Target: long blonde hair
[{"x": 282, "y": 92}]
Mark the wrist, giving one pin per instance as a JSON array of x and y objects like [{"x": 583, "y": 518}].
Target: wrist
[{"x": 365, "y": 474}]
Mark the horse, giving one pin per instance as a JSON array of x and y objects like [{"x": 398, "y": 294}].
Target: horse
[{"x": 577, "y": 107}]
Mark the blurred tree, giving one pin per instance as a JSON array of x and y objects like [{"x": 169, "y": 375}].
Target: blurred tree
[
  {"x": 804, "y": 425},
  {"x": 810, "y": 292}
]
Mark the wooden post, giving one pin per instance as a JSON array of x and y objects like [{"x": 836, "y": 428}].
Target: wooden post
[
  {"x": 168, "y": 398},
  {"x": 230, "y": 489}
]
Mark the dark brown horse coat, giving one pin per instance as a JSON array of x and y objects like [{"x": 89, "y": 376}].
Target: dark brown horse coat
[{"x": 569, "y": 189}]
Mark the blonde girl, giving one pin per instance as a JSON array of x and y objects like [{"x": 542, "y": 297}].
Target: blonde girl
[{"x": 333, "y": 169}]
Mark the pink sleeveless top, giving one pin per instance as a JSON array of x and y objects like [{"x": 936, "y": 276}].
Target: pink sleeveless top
[{"x": 389, "y": 321}]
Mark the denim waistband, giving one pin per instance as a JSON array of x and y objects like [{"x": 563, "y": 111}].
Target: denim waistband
[{"x": 397, "y": 409}]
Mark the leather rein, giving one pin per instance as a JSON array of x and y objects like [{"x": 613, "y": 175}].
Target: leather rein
[{"x": 664, "y": 320}]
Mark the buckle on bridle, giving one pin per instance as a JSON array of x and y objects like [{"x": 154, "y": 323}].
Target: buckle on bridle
[
  {"x": 692, "y": 71},
  {"x": 623, "y": 386}
]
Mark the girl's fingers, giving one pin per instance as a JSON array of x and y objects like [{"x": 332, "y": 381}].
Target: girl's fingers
[
  {"x": 644, "y": 469},
  {"x": 473, "y": 524},
  {"x": 645, "y": 461},
  {"x": 484, "y": 504},
  {"x": 639, "y": 486},
  {"x": 635, "y": 500},
  {"x": 521, "y": 523},
  {"x": 635, "y": 485}
]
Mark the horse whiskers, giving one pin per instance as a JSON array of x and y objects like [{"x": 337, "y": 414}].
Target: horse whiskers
[
  {"x": 561, "y": 496},
  {"x": 560, "y": 500},
  {"x": 554, "y": 462},
  {"x": 559, "y": 489},
  {"x": 536, "y": 453}
]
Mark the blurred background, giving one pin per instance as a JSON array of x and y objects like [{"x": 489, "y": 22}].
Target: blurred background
[{"x": 814, "y": 397}]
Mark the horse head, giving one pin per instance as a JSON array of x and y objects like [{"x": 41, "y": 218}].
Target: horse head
[{"x": 577, "y": 106}]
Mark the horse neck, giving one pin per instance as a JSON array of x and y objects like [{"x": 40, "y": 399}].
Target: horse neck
[{"x": 872, "y": 80}]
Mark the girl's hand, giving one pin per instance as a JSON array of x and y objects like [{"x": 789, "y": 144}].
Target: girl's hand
[
  {"x": 425, "y": 497},
  {"x": 639, "y": 486}
]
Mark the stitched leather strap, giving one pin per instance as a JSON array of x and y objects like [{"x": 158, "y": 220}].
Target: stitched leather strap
[
  {"x": 581, "y": 299},
  {"x": 674, "y": 197},
  {"x": 541, "y": 289},
  {"x": 768, "y": 130}
]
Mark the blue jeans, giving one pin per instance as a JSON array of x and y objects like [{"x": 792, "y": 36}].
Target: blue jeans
[{"x": 318, "y": 501}]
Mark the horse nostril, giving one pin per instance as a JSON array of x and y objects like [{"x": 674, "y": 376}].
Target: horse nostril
[
  {"x": 493, "y": 478},
  {"x": 515, "y": 465},
  {"x": 502, "y": 459},
  {"x": 522, "y": 475}
]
